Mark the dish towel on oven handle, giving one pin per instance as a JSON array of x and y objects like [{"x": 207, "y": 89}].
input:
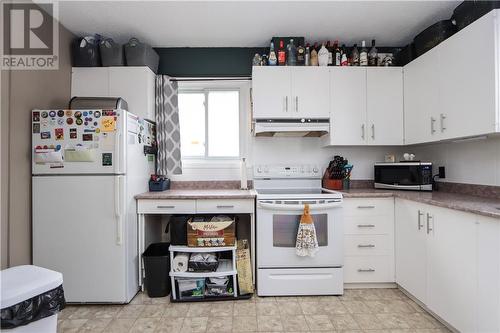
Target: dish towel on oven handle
[{"x": 306, "y": 244}]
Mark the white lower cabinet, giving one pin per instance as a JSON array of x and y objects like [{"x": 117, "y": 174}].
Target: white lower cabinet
[
  {"x": 369, "y": 240},
  {"x": 443, "y": 257}
]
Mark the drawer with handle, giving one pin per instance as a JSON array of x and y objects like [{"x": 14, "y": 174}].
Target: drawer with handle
[
  {"x": 368, "y": 269},
  {"x": 166, "y": 206},
  {"x": 368, "y": 225},
  {"x": 234, "y": 206},
  {"x": 355, "y": 245},
  {"x": 368, "y": 207}
]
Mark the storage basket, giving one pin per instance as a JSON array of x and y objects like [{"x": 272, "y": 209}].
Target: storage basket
[
  {"x": 203, "y": 232},
  {"x": 469, "y": 11},
  {"x": 191, "y": 288},
  {"x": 141, "y": 54},
  {"x": 433, "y": 35},
  {"x": 85, "y": 52},
  {"x": 111, "y": 53}
]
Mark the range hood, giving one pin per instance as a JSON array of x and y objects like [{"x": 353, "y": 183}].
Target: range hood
[{"x": 291, "y": 127}]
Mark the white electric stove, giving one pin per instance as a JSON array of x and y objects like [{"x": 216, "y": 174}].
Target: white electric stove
[{"x": 282, "y": 192}]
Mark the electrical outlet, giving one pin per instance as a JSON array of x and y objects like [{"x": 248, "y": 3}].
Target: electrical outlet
[{"x": 441, "y": 172}]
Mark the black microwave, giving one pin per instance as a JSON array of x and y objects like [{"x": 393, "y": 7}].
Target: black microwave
[{"x": 415, "y": 176}]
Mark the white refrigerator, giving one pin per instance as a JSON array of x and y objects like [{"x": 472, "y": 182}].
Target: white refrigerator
[{"x": 87, "y": 167}]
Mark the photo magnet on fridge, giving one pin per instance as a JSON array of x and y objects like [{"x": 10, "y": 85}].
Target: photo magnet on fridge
[
  {"x": 72, "y": 133},
  {"x": 36, "y": 128},
  {"x": 59, "y": 132},
  {"x": 36, "y": 116},
  {"x": 45, "y": 135}
]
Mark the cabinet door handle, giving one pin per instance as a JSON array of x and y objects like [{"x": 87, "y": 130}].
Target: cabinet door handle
[
  {"x": 366, "y": 270},
  {"x": 296, "y": 103},
  {"x": 225, "y": 206},
  {"x": 363, "y": 131},
  {"x": 286, "y": 103},
  {"x": 420, "y": 214},
  {"x": 169, "y": 207},
  {"x": 366, "y": 245},
  {"x": 432, "y": 125},
  {"x": 442, "y": 118},
  {"x": 373, "y": 131},
  {"x": 429, "y": 229},
  {"x": 364, "y": 207},
  {"x": 366, "y": 225}
]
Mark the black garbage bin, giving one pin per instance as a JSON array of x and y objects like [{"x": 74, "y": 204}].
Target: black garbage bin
[{"x": 157, "y": 266}]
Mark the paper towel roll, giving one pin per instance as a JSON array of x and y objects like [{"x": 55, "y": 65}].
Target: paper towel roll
[{"x": 180, "y": 262}]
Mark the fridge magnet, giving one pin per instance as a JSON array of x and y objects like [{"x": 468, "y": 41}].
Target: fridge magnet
[
  {"x": 52, "y": 122},
  {"x": 87, "y": 137},
  {"x": 36, "y": 128},
  {"x": 69, "y": 113},
  {"x": 72, "y": 133},
  {"x": 45, "y": 114},
  {"x": 69, "y": 121},
  {"x": 59, "y": 132},
  {"x": 36, "y": 116},
  {"x": 97, "y": 114},
  {"x": 97, "y": 130},
  {"x": 52, "y": 114},
  {"x": 78, "y": 114},
  {"x": 45, "y": 135},
  {"x": 108, "y": 124},
  {"x": 60, "y": 113},
  {"x": 85, "y": 113},
  {"x": 60, "y": 121},
  {"x": 107, "y": 159},
  {"x": 78, "y": 121}
]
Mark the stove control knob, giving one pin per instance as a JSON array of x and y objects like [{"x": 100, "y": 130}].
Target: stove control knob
[{"x": 315, "y": 170}]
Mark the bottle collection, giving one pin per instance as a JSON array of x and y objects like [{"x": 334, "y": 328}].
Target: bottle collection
[{"x": 324, "y": 54}]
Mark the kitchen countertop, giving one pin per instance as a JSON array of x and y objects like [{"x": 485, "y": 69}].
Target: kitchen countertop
[
  {"x": 467, "y": 203},
  {"x": 199, "y": 194}
]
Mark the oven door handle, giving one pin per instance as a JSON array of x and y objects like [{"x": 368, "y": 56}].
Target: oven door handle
[{"x": 298, "y": 206}]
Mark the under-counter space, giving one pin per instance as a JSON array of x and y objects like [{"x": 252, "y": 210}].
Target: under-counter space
[
  {"x": 466, "y": 203},
  {"x": 199, "y": 194}
]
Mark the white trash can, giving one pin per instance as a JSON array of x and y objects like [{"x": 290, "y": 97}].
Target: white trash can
[{"x": 31, "y": 298}]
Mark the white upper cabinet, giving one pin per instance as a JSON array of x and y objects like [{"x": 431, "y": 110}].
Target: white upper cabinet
[
  {"x": 271, "y": 92},
  {"x": 421, "y": 98},
  {"x": 452, "y": 93},
  {"x": 348, "y": 109},
  {"x": 384, "y": 105},
  {"x": 310, "y": 92},
  {"x": 366, "y": 106},
  {"x": 290, "y": 92},
  {"x": 136, "y": 85}
]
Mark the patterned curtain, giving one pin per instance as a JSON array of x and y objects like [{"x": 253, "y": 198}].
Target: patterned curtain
[{"x": 167, "y": 127}]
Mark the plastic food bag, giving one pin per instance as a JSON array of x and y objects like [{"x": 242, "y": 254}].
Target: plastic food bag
[{"x": 33, "y": 309}]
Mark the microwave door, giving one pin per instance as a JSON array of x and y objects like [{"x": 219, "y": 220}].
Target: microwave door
[{"x": 404, "y": 175}]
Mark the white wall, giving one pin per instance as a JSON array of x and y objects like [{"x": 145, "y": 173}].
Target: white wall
[{"x": 471, "y": 162}]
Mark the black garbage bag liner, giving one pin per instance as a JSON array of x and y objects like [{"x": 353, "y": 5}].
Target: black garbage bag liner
[{"x": 33, "y": 309}]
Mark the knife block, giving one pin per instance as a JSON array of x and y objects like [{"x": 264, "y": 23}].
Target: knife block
[{"x": 331, "y": 184}]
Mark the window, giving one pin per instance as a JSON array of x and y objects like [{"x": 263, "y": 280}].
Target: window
[{"x": 209, "y": 121}]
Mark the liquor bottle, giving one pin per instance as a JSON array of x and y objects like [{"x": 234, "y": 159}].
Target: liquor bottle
[
  {"x": 329, "y": 47},
  {"x": 256, "y": 60},
  {"x": 363, "y": 55},
  {"x": 301, "y": 54},
  {"x": 344, "y": 61},
  {"x": 273, "y": 61},
  {"x": 373, "y": 55},
  {"x": 282, "y": 54},
  {"x": 307, "y": 57},
  {"x": 314, "y": 57},
  {"x": 355, "y": 55},
  {"x": 292, "y": 54},
  {"x": 264, "y": 61},
  {"x": 317, "y": 47},
  {"x": 323, "y": 56},
  {"x": 338, "y": 54}
]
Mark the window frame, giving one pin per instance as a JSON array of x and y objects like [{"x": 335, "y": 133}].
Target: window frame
[{"x": 204, "y": 87}]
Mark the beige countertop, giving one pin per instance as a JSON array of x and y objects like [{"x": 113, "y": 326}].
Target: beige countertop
[
  {"x": 198, "y": 194},
  {"x": 467, "y": 203}
]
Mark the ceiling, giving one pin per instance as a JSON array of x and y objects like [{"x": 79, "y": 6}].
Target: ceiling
[{"x": 252, "y": 23}]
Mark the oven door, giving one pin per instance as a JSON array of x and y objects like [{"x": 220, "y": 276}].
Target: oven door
[{"x": 277, "y": 226}]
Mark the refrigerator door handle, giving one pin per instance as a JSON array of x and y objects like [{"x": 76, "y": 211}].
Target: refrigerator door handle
[
  {"x": 118, "y": 209},
  {"x": 118, "y": 147}
]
